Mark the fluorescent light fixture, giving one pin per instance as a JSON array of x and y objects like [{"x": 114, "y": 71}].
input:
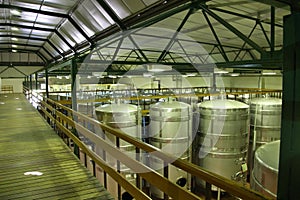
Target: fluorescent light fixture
[
  {"x": 220, "y": 71},
  {"x": 15, "y": 12},
  {"x": 14, "y": 39},
  {"x": 234, "y": 74},
  {"x": 158, "y": 68},
  {"x": 33, "y": 173},
  {"x": 14, "y": 29},
  {"x": 147, "y": 74},
  {"x": 191, "y": 74},
  {"x": 111, "y": 76},
  {"x": 269, "y": 72},
  {"x": 14, "y": 50},
  {"x": 14, "y": 46}
]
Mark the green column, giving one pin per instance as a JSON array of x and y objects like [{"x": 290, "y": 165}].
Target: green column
[
  {"x": 47, "y": 82},
  {"x": 289, "y": 165},
  {"x": 74, "y": 71},
  {"x": 30, "y": 81},
  {"x": 36, "y": 81}
]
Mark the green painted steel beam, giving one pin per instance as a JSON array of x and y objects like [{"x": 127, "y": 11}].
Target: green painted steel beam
[
  {"x": 64, "y": 40},
  {"x": 28, "y": 27},
  {"x": 174, "y": 36},
  {"x": 243, "y": 16},
  {"x": 289, "y": 163},
  {"x": 47, "y": 52},
  {"x": 26, "y": 9},
  {"x": 23, "y": 37},
  {"x": 272, "y": 29},
  {"x": 22, "y": 64},
  {"x": 19, "y": 50},
  {"x": 223, "y": 53},
  {"x": 232, "y": 29},
  {"x": 275, "y": 3},
  {"x": 47, "y": 82},
  {"x": 19, "y": 44},
  {"x": 112, "y": 14},
  {"x": 55, "y": 48}
]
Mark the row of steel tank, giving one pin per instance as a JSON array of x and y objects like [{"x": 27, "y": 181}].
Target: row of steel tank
[{"x": 215, "y": 136}]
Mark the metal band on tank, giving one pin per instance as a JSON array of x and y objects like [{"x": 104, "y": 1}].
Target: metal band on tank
[
  {"x": 226, "y": 117},
  {"x": 263, "y": 189},
  {"x": 226, "y": 154},
  {"x": 169, "y": 140}
]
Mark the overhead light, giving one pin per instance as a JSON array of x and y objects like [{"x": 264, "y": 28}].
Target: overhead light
[
  {"x": 220, "y": 71},
  {"x": 147, "y": 74},
  {"x": 191, "y": 74},
  {"x": 15, "y": 28},
  {"x": 15, "y": 12},
  {"x": 268, "y": 72},
  {"x": 14, "y": 46},
  {"x": 111, "y": 76},
  {"x": 14, "y": 39},
  {"x": 158, "y": 68},
  {"x": 14, "y": 50},
  {"x": 234, "y": 74}
]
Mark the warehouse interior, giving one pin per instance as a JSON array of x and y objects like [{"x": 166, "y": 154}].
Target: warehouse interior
[{"x": 95, "y": 56}]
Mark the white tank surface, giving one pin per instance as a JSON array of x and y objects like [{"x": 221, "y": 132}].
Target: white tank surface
[
  {"x": 265, "y": 123},
  {"x": 170, "y": 129},
  {"x": 221, "y": 142},
  {"x": 265, "y": 172},
  {"x": 127, "y": 118}
]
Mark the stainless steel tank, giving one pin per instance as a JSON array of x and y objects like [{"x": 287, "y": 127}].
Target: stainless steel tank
[
  {"x": 221, "y": 142},
  {"x": 265, "y": 172},
  {"x": 126, "y": 117},
  {"x": 265, "y": 123},
  {"x": 170, "y": 130}
]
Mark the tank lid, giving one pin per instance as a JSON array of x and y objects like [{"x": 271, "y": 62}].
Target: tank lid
[
  {"x": 223, "y": 104},
  {"x": 170, "y": 106},
  {"x": 268, "y": 155},
  {"x": 117, "y": 108},
  {"x": 266, "y": 101}
]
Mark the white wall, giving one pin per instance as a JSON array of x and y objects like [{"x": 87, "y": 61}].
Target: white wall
[{"x": 16, "y": 83}]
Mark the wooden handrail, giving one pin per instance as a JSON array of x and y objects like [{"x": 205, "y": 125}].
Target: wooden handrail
[
  {"x": 151, "y": 176},
  {"x": 215, "y": 179},
  {"x": 225, "y": 184}
]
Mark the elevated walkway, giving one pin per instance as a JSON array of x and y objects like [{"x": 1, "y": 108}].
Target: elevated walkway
[{"x": 34, "y": 162}]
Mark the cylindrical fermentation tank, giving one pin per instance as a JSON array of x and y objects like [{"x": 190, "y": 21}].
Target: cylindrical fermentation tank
[
  {"x": 126, "y": 117},
  {"x": 265, "y": 123},
  {"x": 170, "y": 129},
  {"x": 265, "y": 172},
  {"x": 221, "y": 142}
]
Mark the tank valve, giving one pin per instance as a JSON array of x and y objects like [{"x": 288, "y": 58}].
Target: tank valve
[{"x": 242, "y": 174}]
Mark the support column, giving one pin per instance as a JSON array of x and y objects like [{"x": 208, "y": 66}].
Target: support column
[
  {"x": 74, "y": 71},
  {"x": 30, "y": 82},
  {"x": 47, "y": 82},
  {"x": 36, "y": 81},
  {"x": 289, "y": 165}
]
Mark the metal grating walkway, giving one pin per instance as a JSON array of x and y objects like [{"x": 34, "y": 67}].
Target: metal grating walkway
[{"x": 28, "y": 144}]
